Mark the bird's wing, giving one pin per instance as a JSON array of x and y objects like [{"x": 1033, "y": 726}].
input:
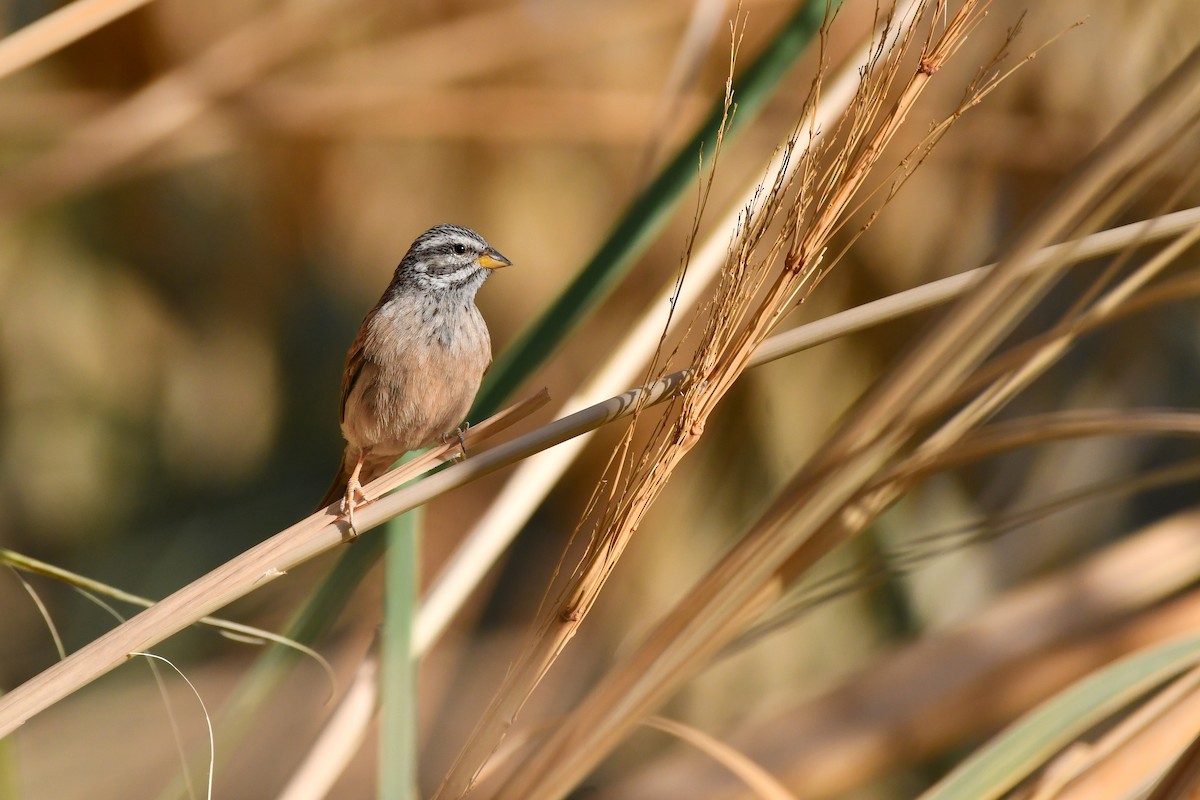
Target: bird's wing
[{"x": 356, "y": 359}]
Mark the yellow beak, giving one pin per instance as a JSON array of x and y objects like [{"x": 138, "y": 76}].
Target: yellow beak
[{"x": 493, "y": 260}]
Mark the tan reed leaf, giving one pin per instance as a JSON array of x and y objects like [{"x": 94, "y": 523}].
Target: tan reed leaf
[
  {"x": 1135, "y": 142},
  {"x": 918, "y": 551},
  {"x": 1095, "y": 307}
]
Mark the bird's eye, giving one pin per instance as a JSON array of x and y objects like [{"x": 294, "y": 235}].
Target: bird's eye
[{"x": 460, "y": 249}]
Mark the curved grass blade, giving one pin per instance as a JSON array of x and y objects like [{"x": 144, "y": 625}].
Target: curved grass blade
[{"x": 1029, "y": 743}]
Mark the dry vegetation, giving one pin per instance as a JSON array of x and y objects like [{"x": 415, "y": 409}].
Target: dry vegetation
[{"x": 834, "y": 574}]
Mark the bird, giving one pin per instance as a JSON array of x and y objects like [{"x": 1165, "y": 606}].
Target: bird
[{"x": 418, "y": 359}]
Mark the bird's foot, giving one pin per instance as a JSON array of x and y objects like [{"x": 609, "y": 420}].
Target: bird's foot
[
  {"x": 355, "y": 496},
  {"x": 462, "y": 442}
]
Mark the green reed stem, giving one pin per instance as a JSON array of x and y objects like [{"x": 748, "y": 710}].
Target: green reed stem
[
  {"x": 649, "y": 212},
  {"x": 398, "y": 662}
]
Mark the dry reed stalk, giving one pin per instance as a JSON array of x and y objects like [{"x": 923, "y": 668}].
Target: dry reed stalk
[
  {"x": 532, "y": 481},
  {"x": 740, "y": 322},
  {"x": 917, "y": 552},
  {"x": 944, "y": 290},
  {"x": 1134, "y": 143},
  {"x": 994, "y": 384},
  {"x": 830, "y": 499},
  {"x": 264, "y": 563},
  {"x": 1054, "y": 426},
  {"x": 58, "y": 29}
]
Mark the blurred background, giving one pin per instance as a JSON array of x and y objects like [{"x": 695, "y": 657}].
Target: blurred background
[{"x": 199, "y": 202}]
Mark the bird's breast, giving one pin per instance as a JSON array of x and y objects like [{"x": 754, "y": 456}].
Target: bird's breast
[{"x": 427, "y": 357}]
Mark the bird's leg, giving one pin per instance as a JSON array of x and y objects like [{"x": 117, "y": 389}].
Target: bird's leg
[
  {"x": 354, "y": 496},
  {"x": 462, "y": 442}
]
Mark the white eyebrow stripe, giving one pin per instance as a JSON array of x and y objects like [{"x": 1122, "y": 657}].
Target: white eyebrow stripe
[{"x": 445, "y": 239}]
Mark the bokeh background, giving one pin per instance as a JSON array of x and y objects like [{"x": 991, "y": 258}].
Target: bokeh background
[{"x": 198, "y": 202}]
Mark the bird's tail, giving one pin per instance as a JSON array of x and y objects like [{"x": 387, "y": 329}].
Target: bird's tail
[{"x": 337, "y": 489}]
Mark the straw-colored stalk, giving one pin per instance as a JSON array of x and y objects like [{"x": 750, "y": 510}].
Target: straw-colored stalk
[{"x": 272, "y": 559}]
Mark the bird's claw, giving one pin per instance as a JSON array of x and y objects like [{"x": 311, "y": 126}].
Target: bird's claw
[
  {"x": 355, "y": 496},
  {"x": 462, "y": 441}
]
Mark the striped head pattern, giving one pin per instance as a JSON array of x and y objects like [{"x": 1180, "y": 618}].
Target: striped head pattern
[{"x": 447, "y": 258}]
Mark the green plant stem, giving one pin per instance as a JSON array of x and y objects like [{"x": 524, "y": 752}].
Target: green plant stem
[{"x": 398, "y": 662}]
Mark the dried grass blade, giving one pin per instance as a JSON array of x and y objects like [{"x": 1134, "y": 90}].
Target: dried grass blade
[
  {"x": 757, "y": 779},
  {"x": 817, "y": 510}
]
